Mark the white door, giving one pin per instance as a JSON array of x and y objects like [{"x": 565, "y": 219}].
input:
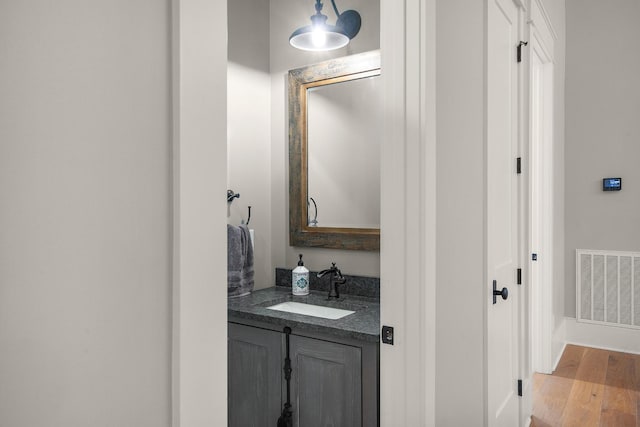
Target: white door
[{"x": 502, "y": 212}]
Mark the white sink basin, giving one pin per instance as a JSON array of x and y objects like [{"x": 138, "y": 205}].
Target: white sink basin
[{"x": 311, "y": 310}]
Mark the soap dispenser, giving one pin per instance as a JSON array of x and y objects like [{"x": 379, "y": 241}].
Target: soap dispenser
[{"x": 300, "y": 279}]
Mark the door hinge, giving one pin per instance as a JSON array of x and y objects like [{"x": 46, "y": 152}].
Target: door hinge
[
  {"x": 520, "y": 388},
  {"x": 519, "y": 276},
  {"x": 519, "y": 165},
  {"x": 520, "y": 50}
]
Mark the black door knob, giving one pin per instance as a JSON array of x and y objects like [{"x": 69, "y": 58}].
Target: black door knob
[{"x": 504, "y": 293}]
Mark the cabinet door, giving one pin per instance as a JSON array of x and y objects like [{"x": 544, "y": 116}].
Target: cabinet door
[
  {"x": 326, "y": 386},
  {"x": 255, "y": 376}
]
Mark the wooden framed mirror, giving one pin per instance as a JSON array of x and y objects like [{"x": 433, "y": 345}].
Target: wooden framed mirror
[{"x": 334, "y": 153}]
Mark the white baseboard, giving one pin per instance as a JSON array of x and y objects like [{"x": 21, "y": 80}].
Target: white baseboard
[
  {"x": 559, "y": 342},
  {"x": 558, "y": 357},
  {"x": 600, "y": 336}
]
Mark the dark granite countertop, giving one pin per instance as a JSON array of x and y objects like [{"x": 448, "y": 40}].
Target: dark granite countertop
[{"x": 363, "y": 325}]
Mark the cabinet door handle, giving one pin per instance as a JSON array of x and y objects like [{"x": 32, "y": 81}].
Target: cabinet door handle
[{"x": 286, "y": 418}]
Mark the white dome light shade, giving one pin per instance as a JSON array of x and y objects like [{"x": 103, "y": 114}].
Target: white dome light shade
[
  {"x": 318, "y": 39},
  {"x": 319, "y": 36}
]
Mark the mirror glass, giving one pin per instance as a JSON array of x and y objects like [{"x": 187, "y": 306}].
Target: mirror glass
[
  {"x": 343, "y": 132},
  {"x": 334, "y": 153}
]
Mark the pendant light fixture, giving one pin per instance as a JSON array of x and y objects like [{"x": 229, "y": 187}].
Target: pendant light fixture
[{"x": 320, "y": 36}]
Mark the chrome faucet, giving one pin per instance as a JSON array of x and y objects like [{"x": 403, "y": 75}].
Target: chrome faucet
[{"x": 335, "y": 279}]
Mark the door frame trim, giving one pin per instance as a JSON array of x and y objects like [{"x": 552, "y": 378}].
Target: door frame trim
[
  {"x": 408, "y": 218},
  {"x": 541, "y": 39}
]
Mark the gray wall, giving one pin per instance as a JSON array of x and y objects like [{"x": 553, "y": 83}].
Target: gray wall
[
  {"x": 85, "y": 326},
  {"x": 602, "y": 131}
]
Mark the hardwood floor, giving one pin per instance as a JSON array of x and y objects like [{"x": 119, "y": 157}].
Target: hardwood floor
[{"x": 590, "y": 387}]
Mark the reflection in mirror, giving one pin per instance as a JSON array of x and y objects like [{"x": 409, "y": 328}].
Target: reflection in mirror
[
  {"x": 343, "y": 132},
  {"x": 334, "y": 160}
]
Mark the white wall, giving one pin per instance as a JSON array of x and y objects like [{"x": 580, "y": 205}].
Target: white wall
[
  {"x": 603, "y": 130},
  {"x": 199, "y": 358},
  {"x": 286, "y": 16},
  {"x": 460, "y": 213},
  {"x": 259, "y": 59},
  {"x": 85, "y": 250},
  {"x": 249, "y": 127}
]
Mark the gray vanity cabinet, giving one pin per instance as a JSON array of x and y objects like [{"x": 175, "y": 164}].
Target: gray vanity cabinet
[
  {"x": 333, "y": 384},
  {"x": 255, "y": 376},
  {"x": 325, "y": 383}
]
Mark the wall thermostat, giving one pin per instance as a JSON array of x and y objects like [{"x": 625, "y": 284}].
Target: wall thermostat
[{"x": 611, "y": 184}]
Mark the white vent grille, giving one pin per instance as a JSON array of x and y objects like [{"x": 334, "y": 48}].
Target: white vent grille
[{"x": 608, "y": 287}]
